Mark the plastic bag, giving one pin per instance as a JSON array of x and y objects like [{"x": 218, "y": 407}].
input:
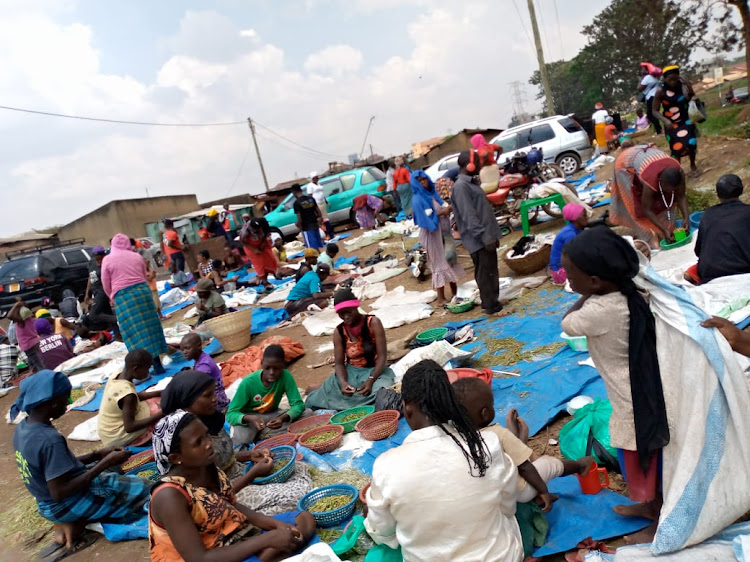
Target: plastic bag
[
  {"x": 697, "y": 111},
  {"x": 388, "y": 399},
  {"x": 574, "y": 435}
]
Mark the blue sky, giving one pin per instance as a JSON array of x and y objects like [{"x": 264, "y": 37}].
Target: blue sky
[{"x": 311, "y": 70}]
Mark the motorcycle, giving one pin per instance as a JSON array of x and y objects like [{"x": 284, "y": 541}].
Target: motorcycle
[{"x": 519, "y": 174}]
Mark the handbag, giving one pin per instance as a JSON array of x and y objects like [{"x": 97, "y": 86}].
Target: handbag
[{"x": 640, "y": 97}]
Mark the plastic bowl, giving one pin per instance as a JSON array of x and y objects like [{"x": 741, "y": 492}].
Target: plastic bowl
[
  {"x": 695, "y": 220},
  {"x": 577, "y": 403},
  {"x": 576, "y": 343},
  {"x": 666, "y": 246},
  {"x": 348, "y": 426}
]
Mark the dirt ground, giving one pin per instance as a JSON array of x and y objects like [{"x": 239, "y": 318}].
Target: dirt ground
[{"x": 23, "y": 532}]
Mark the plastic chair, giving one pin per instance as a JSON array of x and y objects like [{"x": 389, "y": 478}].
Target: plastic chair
[{"x": 531, "y": 203}]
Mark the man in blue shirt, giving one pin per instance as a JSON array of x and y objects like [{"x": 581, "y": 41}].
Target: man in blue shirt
[
  {"x": 69, "y": 493},
  {"x": 577, "y": 220},
  {"x": 307, "y": 291}
]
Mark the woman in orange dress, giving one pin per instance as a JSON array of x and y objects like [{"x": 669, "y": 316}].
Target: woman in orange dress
[
  {"x": 649, "y": 187},
  {"x": 193, "y": 508},
  {"x": 256, "y": 239}
]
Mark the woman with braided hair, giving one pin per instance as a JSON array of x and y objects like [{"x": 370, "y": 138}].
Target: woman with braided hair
[{"x": 447, "y": 493}]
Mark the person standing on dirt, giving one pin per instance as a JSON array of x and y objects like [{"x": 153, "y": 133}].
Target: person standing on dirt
[
  {"x": 172, "y": 245},
  {"x": 401, "y": 185},
  {"x": 309, "y": 218},
  {"x": 673, "y": 96},
  {"x": 479, "y": 230},
  {"x": 315, "y": 190},
  {"x": 647, "y": 87}
]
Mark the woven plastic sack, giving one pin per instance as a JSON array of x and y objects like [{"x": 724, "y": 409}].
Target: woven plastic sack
[{"x": 574, "y": 435}]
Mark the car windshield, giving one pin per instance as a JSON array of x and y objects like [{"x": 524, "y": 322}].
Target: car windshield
[
  {"x": 371, "y": 175},
  {"x": 18, "y": 270}
]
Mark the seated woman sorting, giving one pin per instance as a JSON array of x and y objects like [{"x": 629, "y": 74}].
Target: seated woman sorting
[
  {"x": 126, "y": 416},
  {"x": 360, "y": 359},
  {"x": 306, "y": 292},
  {"x": 409, "y": 503},
  {"x": 255, "y": 406},
  {"x": 67, "y": 492},
  {"x": 209, "y": 303},
  {"x": 194, "y": 392},
  {"x": 194, "y": 510}
]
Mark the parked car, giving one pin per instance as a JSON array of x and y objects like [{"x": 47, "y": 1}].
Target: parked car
[
  {"x": 152, "y": 249},
  {"x": 340, "y": 190},
  {"x": 44, "y": 271},
  {"x": 562, "y": 140},
  {"x": 439, "y": 168}
]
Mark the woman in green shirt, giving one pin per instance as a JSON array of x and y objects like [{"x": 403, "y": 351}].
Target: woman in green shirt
[{"x": 254, "y": 410}]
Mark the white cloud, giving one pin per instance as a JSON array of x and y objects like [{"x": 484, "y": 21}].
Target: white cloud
[
  {"x": 335, "y": 60},
  {"x": 454, "y": 75}
]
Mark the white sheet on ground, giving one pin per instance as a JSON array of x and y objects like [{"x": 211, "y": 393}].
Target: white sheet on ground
[
  {"x": 114, "y": 350},
  {"x": 174, "y": 296},
  {"x": 322, "y": 323},
  {"x": 400, "y": 296},
  {"x": 279, "y": 295},
  {"x": 383, "y": 274},
  {"x": 241, "y": 298},
  {"x": 101, "y": 374},
  {"x": 364, "y": 290},
  {"x": 86, "y": 431},
  {"x": 707, "y": 398}
]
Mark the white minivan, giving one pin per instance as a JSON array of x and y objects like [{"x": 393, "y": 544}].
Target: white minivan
[{"x": 562, "y": 140}]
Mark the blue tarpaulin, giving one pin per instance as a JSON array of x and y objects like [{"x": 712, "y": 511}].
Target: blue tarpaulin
[
  {"x": 264, "y": 318},
  {"x": 342, "y": 260}
]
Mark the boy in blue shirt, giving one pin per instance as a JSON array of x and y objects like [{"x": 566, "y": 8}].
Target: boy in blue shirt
[{"x": 307, "y": 291}]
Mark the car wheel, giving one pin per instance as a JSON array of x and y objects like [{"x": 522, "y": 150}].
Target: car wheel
[
  {"x": 569, "y": 162},
  {"x": 353, "y": 218},
  {"x": 159, "y": 260}
]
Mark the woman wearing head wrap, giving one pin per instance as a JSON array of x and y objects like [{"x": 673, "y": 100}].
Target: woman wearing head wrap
[
  {"x": 577, "y": 220},
  {"x": 67, "y": 492},
  {"x": 195, "y": 392},
  {"x": 648, "y": 189},
  {"x": 401, "y": 181},
  {"x": 489, "y": 171},
  {"x": 621, "y": 338},
  {"x": 255, "y": 237},
  {"x": 431, "y": 216},
  {"x": 673, "y": 97},
  {"x": 366, "y": 209},
  {"x": 360, "y": 359},
  {"x": 194, "y": 508},
  {"x": 124, "y": 281}
]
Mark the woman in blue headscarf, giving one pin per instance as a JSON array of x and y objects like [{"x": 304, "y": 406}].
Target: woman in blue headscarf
[{"x": 431, "y": 216}]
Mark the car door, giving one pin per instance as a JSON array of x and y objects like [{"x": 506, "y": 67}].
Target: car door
[
  {"x": 76, "y": 272},
  {"x": 337, "y": 191},
  {"x": 543, "y": 136}
]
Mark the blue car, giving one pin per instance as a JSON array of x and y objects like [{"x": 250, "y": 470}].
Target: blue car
[{"x": 340, "y": 190}]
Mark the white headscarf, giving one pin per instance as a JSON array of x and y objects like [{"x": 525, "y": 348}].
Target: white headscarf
[{"x": 162, "y": 439}]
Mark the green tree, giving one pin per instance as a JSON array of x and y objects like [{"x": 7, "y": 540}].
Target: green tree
[{"x": 624, "y": 34}]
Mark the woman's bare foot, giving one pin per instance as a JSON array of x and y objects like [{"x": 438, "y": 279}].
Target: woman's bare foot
[
  {"x": 517, "y": 426},
  {"x": 644, "y": 536},
  {"x": 646, "y": 510}
]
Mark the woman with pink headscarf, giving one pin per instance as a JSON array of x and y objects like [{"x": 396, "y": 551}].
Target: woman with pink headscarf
[
  {"x": 489, "y": 171},
  {"x": 577, "y": 218}
]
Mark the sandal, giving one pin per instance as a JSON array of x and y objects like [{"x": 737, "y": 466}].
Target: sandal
[
  {"x": 86, "y": 539},
  {"x": 50, "y": 550}
]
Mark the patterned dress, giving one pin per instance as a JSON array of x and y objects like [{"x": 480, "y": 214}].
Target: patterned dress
[{"x": 682, "y": 137}]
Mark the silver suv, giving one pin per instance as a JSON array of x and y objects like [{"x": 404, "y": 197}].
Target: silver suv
[{"x": 562, "y": 140}]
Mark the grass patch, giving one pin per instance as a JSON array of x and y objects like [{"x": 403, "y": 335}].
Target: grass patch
[
  {"x": 721, "y": 120},
  {"x": 698, "y": 200}
]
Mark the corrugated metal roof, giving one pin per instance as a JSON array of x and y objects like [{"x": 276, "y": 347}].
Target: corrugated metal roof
[{"x": 31, "y": 235}]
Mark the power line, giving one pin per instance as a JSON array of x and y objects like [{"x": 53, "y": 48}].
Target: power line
[
  {"x": 119, "y": 121},
  {"x": 239, "y": 171},
  {"x": 544, "y": 27},
  {"x": 312, "y": 150},
  {"x": 523, "y": 25},
  {"x": 300, "y": 151},
  {"x": 559, "y": 32}
]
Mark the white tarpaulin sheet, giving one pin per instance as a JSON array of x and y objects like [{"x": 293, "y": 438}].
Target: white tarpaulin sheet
[{"x": 400, "y": 296}]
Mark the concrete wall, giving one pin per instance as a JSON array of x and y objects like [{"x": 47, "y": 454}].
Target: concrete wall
[{"x": 128, "y": 216}]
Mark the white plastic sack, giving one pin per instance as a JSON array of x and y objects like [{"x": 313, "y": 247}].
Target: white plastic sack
[
  {"x": 114, "y": 350},
  {"x": 364, "y": 290},
  {"x": 101, "y": 374},
  {"x": 279, "y": 295},
  {"x": 322, "y": 323},
  {"x": 319, "y": 552},
  {"x": 400, "y": 296},
  {"x": 383, "y": 274},
  {"x": 439, "y": 351},
  {"x": 172, "y": 297},
  {"x": 707, "y": 402},
  {"x": 403, "y": 314},
  {"x": 86, "y": 431}
]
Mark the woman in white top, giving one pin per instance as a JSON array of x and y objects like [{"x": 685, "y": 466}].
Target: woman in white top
[
  {"x": 447, "y": 493},
  {"x": 315, "y": 190},
  {"x": 648, "y": 85}
]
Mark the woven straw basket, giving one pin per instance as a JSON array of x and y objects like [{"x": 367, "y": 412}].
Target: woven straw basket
[
  {"x": 232, "y": 329},
  {"x": 530, "y": 263}
]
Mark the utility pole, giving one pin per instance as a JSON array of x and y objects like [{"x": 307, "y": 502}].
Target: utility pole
[
  {"x": 257, "y": 151},
  {"x": 362, "y": 150},
  {"x": 540, "y": 58}
]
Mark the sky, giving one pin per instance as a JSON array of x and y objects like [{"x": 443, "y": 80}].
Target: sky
[{"x": 312, "y": 72}]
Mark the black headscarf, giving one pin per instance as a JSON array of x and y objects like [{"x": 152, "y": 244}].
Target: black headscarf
[
  {"x": 183, "y": 390},
  {"x": 599, "y": 251}
]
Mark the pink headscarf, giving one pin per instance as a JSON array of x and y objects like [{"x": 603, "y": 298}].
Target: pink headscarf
[
  {"x": 478, "y": 141},
  {"x": 572, "y": 211}
]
